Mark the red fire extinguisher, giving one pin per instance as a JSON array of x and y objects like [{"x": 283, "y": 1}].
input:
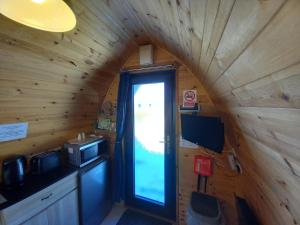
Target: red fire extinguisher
[{"x": 203, "y": 167}]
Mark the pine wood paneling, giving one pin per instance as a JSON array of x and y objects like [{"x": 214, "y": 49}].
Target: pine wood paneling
[
  {"x": 56, "y": 81},
  {"x": 246, "y": 53},
  {"x": 223, "y": 183}
]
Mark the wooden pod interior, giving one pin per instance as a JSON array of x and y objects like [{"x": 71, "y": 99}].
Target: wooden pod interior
[{"x": 242, "y": 56}]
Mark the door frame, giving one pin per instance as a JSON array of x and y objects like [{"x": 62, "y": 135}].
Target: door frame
[{"x": 169, "y": 210}]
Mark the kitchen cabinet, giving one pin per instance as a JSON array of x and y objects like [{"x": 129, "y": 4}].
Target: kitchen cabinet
[
  {"x": 62, "y": 212},
  {"x": 38, "y": 219},
  {"x": 56, "y": 204}
]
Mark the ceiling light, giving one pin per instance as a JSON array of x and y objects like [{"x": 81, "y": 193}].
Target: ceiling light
[
  {"x": 48, "y": 15},
  {"x": 38, "y": 1}
]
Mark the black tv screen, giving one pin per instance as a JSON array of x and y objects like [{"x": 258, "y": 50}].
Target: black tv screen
[{"x": 204, "y": 131}]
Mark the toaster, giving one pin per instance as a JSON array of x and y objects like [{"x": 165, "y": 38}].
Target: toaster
[{"x": 45, "y": 162}]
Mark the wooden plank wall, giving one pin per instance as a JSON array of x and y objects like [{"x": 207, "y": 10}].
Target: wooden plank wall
[
  {"x": 223, "y": 183},
  {"x": 56, "y": 81},
  {"x": 247, "y": 54}
]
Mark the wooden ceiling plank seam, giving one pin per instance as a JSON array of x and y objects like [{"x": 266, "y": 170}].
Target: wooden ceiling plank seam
[
  {"x": 99, "y": 30},
  {"x": 198, "y": 68},
  {"x": 134, "y": 10},
  {"x": 109, "y": 19},
  {"x": 59, "y": 42},
  {"x": 291, "y": 189},
  {"x": 272, "y": 139},
  {"x": 68, "y": 70},
  {"x": 47, "y": 76},
  {"x": 249, "y": 43},
  {"x": 46, "y": 48},
  {"x": 210, "y": 16},
  {"x": 127, "y": 17},
  {"x": 231, "y": 89},
  {"x": 10, "y": 92},
  {"x": 221, "y": 19},
  {"x": 176, "y": 13},
  {"x": 36, "y": 53},
  {"x": 283, "y": 26},
  {"x": 184, "y": 16},
  {"x": 263, "y": 194},
  {"x": 270, "y": 92},
  {"x": 172, "y": 34},
  {"x": 148, "y": 16},
  {"x": 41, "y": 85},
  {"x": 153, "y": 21},
  {"x": 219, "y": 40},
  {"x": 100, "y": 12},
  {"x": 167, "y": 7},
  {"x": 197, "y": 21},
  {"x": 254, "y": 83},
  {"x": 246, "y": 9},
  {"x": 164, "y": 23},
  {"x": 42, "y": 142}
]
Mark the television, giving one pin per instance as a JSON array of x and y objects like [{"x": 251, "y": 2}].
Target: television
[{"x": 204, "y": 131}]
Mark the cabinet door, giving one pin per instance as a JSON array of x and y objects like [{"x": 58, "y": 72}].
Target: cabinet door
[
  {"x": 28, "y": 208},
  {"x": 39, "y": 219},
  {"x": 64, "y": 211}
]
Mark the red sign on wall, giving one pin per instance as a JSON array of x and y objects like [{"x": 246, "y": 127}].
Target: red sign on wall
[
  {"x": 189, "y": 98},
  {"x": 203, "y": 165}
]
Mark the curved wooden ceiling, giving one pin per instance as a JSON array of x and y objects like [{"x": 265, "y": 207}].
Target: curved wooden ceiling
[
  {"x": 245, "y": 52},
  {"x": 231, "y": 45}
]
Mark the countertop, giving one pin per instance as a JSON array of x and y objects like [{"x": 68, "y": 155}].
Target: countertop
[{"x": 34, "y": 184}]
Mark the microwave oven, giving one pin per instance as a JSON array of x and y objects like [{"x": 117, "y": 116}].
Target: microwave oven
[{"x": 80, "y": 153}]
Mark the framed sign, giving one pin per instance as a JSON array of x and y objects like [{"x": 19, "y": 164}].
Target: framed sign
[
  {"x": 13, "y": 131},
  {"x": 189, "y": 98}
]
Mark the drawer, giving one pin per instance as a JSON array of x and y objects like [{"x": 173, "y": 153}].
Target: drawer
[{"x": 27, "y": 208}]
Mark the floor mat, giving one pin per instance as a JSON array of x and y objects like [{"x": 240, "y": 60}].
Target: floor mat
[{"x": 131, "y": 217}]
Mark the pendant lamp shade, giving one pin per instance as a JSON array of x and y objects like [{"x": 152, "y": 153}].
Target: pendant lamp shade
[{"x": 48, "y": 15}]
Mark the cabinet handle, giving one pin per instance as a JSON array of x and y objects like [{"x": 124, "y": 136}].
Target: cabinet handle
[{"x": 48, "y": 196}]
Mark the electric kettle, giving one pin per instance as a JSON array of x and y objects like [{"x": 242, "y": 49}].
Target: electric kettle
[{"x": 13, "y": 171}]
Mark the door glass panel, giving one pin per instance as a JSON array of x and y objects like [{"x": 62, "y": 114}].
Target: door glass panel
[{"x": 149, "y": 147}]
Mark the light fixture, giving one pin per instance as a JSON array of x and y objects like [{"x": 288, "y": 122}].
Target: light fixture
[{"x": 48, "y": 15}]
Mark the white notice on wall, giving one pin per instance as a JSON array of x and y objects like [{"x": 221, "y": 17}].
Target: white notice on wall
[
  {"x": 187, "y": 144},
  {"x": 13, "y": 131}
]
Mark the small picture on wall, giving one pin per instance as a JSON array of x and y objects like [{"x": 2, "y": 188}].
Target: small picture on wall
[
  {"x": 189, "y": 98},
  {"x": 104, "y": 124}
]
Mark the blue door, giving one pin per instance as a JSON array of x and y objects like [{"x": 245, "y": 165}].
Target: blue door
[{"x": 150, "y": 151}]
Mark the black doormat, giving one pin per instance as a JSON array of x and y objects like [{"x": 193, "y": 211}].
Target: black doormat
[{"x": 131, "y": 217}]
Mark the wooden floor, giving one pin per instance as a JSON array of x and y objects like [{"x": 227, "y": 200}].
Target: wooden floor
[
  {"x": 114, "y": 216},
  {"x": 116, "y": 213}
]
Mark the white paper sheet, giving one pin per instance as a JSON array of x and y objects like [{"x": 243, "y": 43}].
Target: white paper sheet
[
  {"x": 187, "y": 144},
  {"x": 13, "y": 131}
]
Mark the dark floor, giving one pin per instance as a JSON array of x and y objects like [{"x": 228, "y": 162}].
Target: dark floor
[{"x": 115, "y": 215}]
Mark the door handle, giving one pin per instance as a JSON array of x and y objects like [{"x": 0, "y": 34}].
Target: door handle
[
  {"x": 48, "y": 196},
  {"x": 167, "y": 143},
  {"x": 168, "y": 150}
]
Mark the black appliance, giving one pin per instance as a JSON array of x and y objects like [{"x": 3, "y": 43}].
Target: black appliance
[
  {"x": 45, "y": 162},
  {"x": 204, "y": 131},
  {"x": 95, "y": 192},
  {"x": 81, "y": 153},
  {"x": 13, "y": 171}
]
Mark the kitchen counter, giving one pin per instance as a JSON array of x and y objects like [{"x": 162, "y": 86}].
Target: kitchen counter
[{"x": 33, "y": 184}]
